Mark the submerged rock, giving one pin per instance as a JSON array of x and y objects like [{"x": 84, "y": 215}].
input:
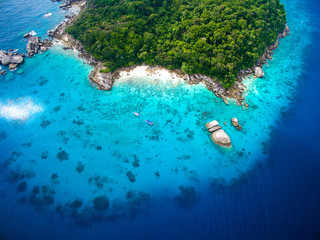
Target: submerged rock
[
  {"x": 258, "y": 72},
  {"x": 221, "y": 138}
]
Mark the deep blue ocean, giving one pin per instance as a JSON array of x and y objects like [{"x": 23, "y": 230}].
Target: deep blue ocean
[{"x": 76, "y": 163}]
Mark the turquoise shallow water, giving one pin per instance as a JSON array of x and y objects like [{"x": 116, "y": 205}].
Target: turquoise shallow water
[{"x": 64, "y": 142}]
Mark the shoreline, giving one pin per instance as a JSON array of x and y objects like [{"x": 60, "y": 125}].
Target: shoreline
[{"x": 105, "y": 81}]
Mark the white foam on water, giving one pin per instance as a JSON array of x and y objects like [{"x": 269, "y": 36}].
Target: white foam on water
[
  {"x": 47, "y": 15},
  {"x": 32, "y": 33},
  {"x": 20, "y": 109}
]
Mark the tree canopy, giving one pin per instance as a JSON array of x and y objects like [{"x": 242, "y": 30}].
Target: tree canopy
[{"x": 216, "y": 38}]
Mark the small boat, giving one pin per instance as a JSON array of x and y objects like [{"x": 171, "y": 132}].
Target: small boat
[
  {"x": 137, "y": 114},
  {"x": 149, "y": 122}
]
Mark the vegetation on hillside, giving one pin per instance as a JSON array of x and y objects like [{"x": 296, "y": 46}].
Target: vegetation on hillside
[{"x": 217, "y": 38}]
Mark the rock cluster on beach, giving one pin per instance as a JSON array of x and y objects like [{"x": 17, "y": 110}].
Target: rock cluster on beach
[
  {"x": 68, "y": 4},
  {"x": 257, "y": 69},
  {"x": 218, "y": 135},
  {"x": 258, "y": 72}
]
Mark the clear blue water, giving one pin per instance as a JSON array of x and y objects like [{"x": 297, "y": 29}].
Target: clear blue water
[{"x": 63, "y": 137}]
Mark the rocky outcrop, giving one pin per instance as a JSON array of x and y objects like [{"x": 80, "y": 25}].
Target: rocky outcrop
[
  {"x": 13, "y": 66},
  {"x": 258, "y": 72},
  {"x": 235, "y": 123},
  {"x": 102, "y": 80},
  {"x": 5, "y": 58},
  {"x": 221, "y": 138},
  {"x": 35, "y": 45},
  {"x": 213, "y": 129},
  {"x": 212, "y": 124},
  {"x": 8, "y": 58},
  {"x": 17, "y": 59},
  {"x": 218, "y": 135}
]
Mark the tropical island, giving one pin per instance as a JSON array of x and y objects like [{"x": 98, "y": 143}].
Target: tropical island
[{"x": 211, "y": 37}]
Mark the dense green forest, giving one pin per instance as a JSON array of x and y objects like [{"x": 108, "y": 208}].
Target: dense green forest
[{"x": 217, "y": 38}]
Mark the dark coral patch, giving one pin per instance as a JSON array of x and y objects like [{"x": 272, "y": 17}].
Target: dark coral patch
[
  {"x": 43, "y": 81},
  {"x": 131, "y": 177},
  {"x": 75, "y": 204},
  {"x": 22, "y": 187},
  {"x": 101, "y": 203},
  {"x": 80, "y": 108},
  {"x": 45, "y": 123},
  {"x": 14, "y": 176},
  {"x": 136, "y": 161},
  {"x": 57, "y": 109},
  {"x": 22, "y": 200},
  {"x": 63, "y": 156},
  {"x": 187, "y": 197},
  {"x": 80, "y": 167},
  {"x": 42, "y": 197},
  {"x": 3, "y": 135},
  {"x": 44, "y": 155},
  {"x": 98, "y": 181},
  {"x": 27, "y": 144},
  {"x": 55, "y": 178}
]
